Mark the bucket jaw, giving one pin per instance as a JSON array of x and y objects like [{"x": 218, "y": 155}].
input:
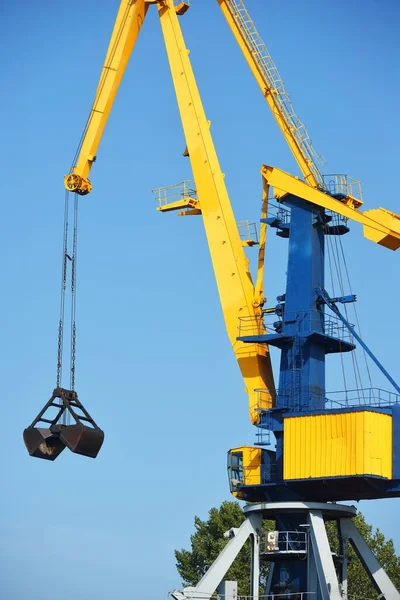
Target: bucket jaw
[
  {"x": 43, "y": 443},
  {"x": 82, "y": 437}
]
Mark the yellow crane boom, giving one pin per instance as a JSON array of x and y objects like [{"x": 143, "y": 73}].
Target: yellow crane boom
[
  {"x": 235, "y": 286},
  {"x": 272, "y": 87},
  {"x": 271, "y": 84},
  {"x": 128, "y": 23},
  {"x": 380, "y": 225},
  {"x": 336, "y": 192}
]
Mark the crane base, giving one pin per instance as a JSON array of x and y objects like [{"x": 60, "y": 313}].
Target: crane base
[{"x": 297, "y": 568}]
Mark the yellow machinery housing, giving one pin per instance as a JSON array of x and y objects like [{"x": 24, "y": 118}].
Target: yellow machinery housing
[{"x": 338, "y": 445}]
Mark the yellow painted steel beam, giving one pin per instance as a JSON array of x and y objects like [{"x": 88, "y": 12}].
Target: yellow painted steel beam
[
  {"x": 128, "y": 23},
  {"x": 178, "y": 204},
  {"x": 259, "y": 298},
  {"x": 270, "y": 96},
  {"x": 272, "y": 87},
  {"x": 380, "y": 225},
  {"x": 235, "y": 286}
]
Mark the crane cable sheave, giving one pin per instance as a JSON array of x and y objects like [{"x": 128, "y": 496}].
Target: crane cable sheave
[{"x": 76, "y": 183}]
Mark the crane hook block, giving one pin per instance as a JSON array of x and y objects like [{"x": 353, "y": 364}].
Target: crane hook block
[{"x": 82, "y": 437}]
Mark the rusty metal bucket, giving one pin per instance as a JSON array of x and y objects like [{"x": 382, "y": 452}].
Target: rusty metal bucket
[
  {"x": 48, "y": 443},
  {"x": 43, "y": 443},
  {"x": 82, "y": 440}
]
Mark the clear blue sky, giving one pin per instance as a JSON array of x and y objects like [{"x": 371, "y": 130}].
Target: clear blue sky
[{"x": 154, "y": 364}]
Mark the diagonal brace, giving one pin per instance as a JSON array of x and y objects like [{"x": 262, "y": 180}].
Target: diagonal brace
[
  {"x": 323, "y": 294},
  {"x": 215, "y": 574}
]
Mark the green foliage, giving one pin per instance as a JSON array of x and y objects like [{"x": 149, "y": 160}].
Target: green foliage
[
  {"x": 208, "y": 540},
  {"x": 359, "y": 584},
  {"x": 207, "y": 543}
]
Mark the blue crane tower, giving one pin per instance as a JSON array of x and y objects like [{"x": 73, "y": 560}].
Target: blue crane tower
[
  {"x": 349, "y": 450},
  {"x": 325, "y": 451},
  {"x": 328, "y": 448}
]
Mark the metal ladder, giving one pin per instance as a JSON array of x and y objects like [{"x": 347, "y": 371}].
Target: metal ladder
[{"x": 275, "y": 84}]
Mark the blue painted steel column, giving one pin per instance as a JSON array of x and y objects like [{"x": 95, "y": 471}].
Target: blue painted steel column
[{"x": 302, "y": 366}]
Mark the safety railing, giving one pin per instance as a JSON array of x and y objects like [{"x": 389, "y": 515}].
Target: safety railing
[
  {"x": 193, "y": 595},
  {"x": 342, "y": 185},
  {"x": 336, "y": 219},
  {"x": 275, "y": 83},
  {"x": 173, "y": 193},
  {"x": 278, "y": 211},
  {"x": 299, "y": 322},
  {"x": 288, "y": 542},
  {"x": 288, "y": 595},
  {"x": 263, "y": 399},
  {"x": 319, "y": 322},
  {"x": 282, "y": 596},
  {"x": 363, "y": 397},
  {"x": 306, "y": 400},
  {"x": 248, "y": 232},
  {"x": 263, "y": 437},
  {"x": 250, "y": 326}
]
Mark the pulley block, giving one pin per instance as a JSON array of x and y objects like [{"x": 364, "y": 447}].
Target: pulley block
[
  {"x": 76, "y": 183},
  {"x": 82, "y": 437}
]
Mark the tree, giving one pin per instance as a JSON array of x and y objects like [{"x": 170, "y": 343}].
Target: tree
[
  {"x": 384, "y": 550},
  {"x": 208, "y": 540},
  {"x": 207, "y": 543}
]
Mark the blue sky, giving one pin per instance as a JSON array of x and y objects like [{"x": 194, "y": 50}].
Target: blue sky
[{"x": 154, "y": 364}]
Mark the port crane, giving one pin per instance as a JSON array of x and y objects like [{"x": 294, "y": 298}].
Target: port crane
[{"x": 283, "y": 482}]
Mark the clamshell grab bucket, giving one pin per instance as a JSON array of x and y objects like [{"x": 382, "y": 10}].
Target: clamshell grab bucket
[{"x": 82, "y": 437}]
